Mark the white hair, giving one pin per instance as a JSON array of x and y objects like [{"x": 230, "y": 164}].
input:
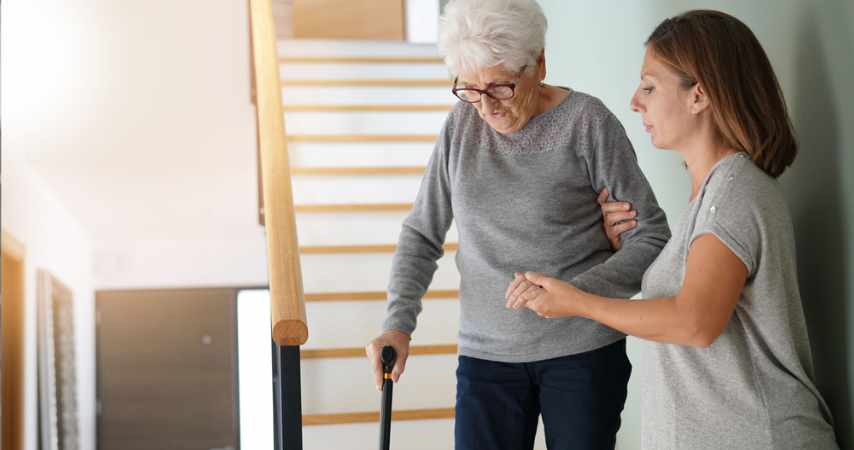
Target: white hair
[{"x": 476, "y": 34}]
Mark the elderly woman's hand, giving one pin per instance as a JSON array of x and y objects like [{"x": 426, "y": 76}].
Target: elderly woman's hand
[
  {"x": 617, "y": 218},
  {"x": 397, "y": 339},
  {"x": 546, "y": 296}
]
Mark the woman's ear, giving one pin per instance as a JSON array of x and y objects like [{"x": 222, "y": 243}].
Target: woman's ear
[
  {"x": 541, "y": 65},
  {"x": 699, "y": 99}
]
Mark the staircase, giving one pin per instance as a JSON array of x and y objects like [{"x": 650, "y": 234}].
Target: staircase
[{"x": 361, "y": 119}]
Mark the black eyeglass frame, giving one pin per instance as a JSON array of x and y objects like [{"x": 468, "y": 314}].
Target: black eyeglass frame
[{"x": 483, "y": 92}]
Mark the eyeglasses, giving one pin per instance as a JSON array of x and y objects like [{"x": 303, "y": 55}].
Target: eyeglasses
[{"x": 501, "y": 91}]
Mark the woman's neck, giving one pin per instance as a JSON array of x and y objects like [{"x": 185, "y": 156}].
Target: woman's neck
[
  {"x": 550, "y": 98},
  {"x": 700, "y": 159}
]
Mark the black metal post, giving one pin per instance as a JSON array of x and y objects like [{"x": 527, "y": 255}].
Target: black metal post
[
  {"x": 277, "y": 399},
  {"x": 289, "y": 404}
]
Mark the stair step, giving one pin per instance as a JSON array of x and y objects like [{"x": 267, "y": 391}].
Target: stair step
[
  {"x": 353, "y": 324},
  {"x": 360, "y": 60},
  {"x": 364, "y": 269},
  {"x": 389, "y": 107},
  {"x": 340, "y": 48},
  {"x": 375, "y": 170},
  {"x": 358, "y": 119},
  {"x": 325, "y": 94},
  {"x": 361, "y": 228},
  {"x": 352, "y": 208},
  {"x": 374, "y": 296},
  {"x": 374, "y": 416},
  {"x": 359, "y": 352},
  {"x": 367, "y": 82},
  {"x": 357, "y": 154},
  {"x": 362, "y": 137},
  {"x": 409, "y": 435}
]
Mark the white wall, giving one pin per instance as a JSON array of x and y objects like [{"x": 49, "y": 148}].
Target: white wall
[
  {"x": 138, "y": 116},
  {"x": 422, "y": 21},
  {"x": 53, "y": 241}
]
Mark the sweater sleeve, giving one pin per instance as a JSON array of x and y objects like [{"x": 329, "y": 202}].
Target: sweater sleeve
[
  {"x": 421, "y": 240},
  {"x": 612, "y": 163}
]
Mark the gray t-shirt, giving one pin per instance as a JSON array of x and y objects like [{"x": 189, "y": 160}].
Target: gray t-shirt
[
  {"x": 526, "y": 202},
  {"x": 753, "y": 387}
]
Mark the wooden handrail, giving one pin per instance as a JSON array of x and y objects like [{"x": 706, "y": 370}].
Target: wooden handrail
[
  {"x": 362, "y": 137},
  {"x": 360, "y": 60},
  {"x": 359, "y": 352},
  {"x": 375, "y": 296},
  {"x": 371, "y": 248},
  {"x": 386, "y": 107},
  {"x": 353, "y": 208},
  {"x": 288, "y": 322},
  {"x": 368, "y": 417}
]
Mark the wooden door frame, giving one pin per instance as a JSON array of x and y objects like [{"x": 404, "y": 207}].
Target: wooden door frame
[{"x": 12, "y": 391}]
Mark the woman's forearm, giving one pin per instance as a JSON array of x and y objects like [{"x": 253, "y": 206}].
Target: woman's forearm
[{"x": 658, "y": 319}]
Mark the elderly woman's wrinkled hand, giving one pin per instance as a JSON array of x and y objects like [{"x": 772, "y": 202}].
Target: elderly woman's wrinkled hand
[
  {"x": 617, "y": 218},
  {"x": 520, "y": 291},
  {"x": 544, "y": 295}
]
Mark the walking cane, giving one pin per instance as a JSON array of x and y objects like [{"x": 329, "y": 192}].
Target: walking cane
[{"x": 388, "y": 357}]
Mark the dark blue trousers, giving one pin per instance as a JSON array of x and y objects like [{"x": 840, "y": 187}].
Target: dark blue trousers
[{"x": 579, "y": 396}]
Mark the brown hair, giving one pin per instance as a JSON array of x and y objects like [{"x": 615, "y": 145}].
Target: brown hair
[{"x": 722, "y": 54}]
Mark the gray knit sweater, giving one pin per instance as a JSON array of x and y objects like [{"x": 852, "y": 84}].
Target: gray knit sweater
[{"x": 526, "y": 202}]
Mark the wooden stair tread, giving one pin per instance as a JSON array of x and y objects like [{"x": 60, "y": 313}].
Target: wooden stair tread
[
  {"x": 352, "y": 207},
  {"x": 368, "y": 82},
  {"x": 360, "y": 60},
  {"x": 367, "y": 107},
  {"x": 369, "y": 248},
  {"x": 372, "y": 416},
  {"x": 359, "y": 352},
  {"x": 374, "y": 170},
  {"x": 373, "y": 296},
  {"x": 362, "y": 137}
]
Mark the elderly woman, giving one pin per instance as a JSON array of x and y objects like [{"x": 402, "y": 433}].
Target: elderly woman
[{"x": 519, "y": 164}]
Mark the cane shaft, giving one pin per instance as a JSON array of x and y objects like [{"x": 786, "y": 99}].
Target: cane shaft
[{"x": 385, "y": 415}]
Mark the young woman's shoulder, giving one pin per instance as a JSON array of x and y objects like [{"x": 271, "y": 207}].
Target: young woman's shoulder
[
  {"x": 746, "y": 209},
  {"x": 740, "y": 184}
]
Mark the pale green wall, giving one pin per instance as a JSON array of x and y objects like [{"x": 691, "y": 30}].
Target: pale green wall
[{"x": 597, "y": 47}]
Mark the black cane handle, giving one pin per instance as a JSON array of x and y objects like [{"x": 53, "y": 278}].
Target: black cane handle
[{"x": 388, "y": 358}]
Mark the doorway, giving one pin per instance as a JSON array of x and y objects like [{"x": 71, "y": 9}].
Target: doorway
[{"x": 167, "y": 369}]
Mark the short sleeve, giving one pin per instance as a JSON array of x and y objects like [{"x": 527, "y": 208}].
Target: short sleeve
[{"x": 732, "y": 210}]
